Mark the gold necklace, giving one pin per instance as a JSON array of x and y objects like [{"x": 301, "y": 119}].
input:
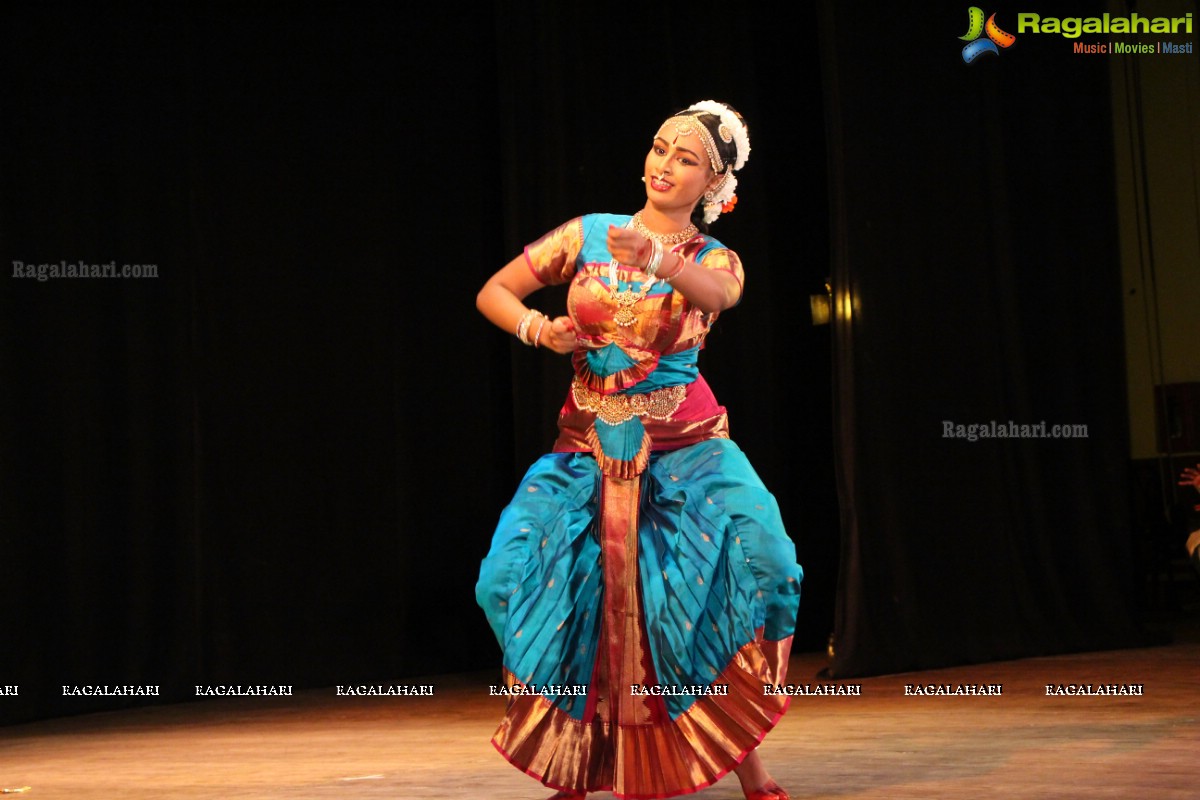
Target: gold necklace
[
  {"x": 679, "y": 237},
  {"x": 628, "y": 298}
]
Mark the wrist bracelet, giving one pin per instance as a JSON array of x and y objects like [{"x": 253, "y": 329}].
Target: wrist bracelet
[
  {"x": 523, "y": 325},
  {"x": 538, "y": 335},
  {"x": 656, "y": 257},
  {"x": 679, "y": 269}
]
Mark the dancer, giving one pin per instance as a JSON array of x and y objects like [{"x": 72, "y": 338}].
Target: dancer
[{"x": 641, "y": 583}]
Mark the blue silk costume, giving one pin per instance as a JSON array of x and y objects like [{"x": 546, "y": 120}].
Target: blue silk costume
[{"x": 640, "y": 583}]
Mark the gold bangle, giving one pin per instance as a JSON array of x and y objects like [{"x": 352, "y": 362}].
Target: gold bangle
[{"x": 675, "y": 274}]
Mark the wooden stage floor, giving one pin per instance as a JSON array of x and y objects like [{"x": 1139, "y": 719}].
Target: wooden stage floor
[{"x": 882, "y": 744}]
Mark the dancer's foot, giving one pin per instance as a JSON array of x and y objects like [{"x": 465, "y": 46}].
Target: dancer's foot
[
  {"x": 565, "y": 795},
  {"x": 770, "y": 791},
  {"x": 757, "y": 784}
]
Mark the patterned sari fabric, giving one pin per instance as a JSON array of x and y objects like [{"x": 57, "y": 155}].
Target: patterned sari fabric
[{"x": 640, "y": 583}]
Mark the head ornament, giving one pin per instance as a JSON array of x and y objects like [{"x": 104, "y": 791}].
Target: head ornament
[{"x": 730, "y": 129}]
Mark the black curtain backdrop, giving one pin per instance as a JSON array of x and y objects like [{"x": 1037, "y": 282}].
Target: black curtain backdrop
[
  {"x": 975, "y": 248},
  {"x": 280, "y": 461}
]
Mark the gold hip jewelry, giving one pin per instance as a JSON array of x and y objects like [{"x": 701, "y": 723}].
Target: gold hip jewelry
[{"x": 617, "y": 408}]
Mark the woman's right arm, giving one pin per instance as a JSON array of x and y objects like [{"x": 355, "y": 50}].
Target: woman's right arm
[{"x": 502, "y": 301}]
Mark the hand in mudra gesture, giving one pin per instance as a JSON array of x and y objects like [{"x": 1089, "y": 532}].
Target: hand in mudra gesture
[
  {"x": 558, "y": 335},
  {"x": 628, "y": 246}
]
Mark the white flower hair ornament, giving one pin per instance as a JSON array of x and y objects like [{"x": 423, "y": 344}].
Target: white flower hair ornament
[
  {"x": 731, "y": 128},
  {"x": 722, "y": 197}
]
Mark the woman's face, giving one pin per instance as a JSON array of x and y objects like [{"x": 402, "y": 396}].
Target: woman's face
[{"x": 677, "y": 169}]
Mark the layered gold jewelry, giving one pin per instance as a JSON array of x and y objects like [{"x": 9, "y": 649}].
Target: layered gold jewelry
[
  {"x": 686, "y": 125},
  {"x": 626, "y": 300},
  {"x": 617, "y": 408},
  {"x": 732, "y": 130},
  {"x": 671, "y": 239}
]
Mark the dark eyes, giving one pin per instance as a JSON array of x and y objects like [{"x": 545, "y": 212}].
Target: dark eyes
[{"x": 659, "y": 150}]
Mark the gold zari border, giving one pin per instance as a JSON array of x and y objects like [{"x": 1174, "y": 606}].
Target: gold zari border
[{"x": 657, "y": 760}]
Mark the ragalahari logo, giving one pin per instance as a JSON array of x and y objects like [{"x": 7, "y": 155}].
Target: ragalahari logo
[{"x": 976, "y": 27}]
